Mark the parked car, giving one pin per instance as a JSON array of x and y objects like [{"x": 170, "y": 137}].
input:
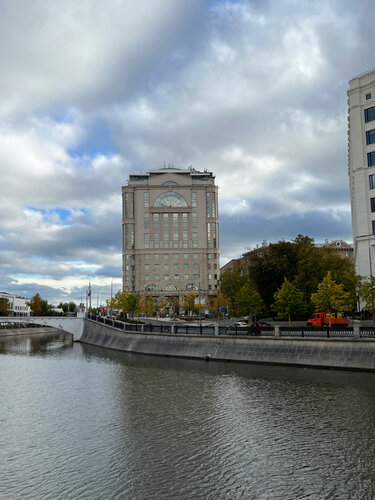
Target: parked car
[{"x": 238, "y": 326}]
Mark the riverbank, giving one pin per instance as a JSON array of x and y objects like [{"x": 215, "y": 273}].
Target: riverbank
[
  {"x": 11, "y": 332},
  {"x": 332, "y": 353}
]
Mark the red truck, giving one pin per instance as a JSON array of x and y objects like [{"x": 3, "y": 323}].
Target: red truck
[{"x": 322, "y": 319}]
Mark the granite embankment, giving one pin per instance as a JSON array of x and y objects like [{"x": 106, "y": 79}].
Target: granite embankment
[
  {"x": 351, "y": 354},
  {"x": 11, "y": 332}
]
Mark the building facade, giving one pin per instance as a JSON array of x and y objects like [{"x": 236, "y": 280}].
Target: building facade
[
  {"x": 171, "y": 233},
  {"x": 361, "y": 136},
  {"x": 17, "y": 305}
]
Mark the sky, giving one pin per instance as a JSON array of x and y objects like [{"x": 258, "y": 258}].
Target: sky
[{"x": 92, "y": 91}]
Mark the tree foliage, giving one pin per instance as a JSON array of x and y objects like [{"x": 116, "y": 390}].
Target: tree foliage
[
  {"x": 367, "y": 294},
  {"x": 38, "y": 306},
  {"x": 189, "y": 302},
  {"x": 288, "y": 300},
  {"x": 4, "y": 306},
  {"x": 248, "y": 300},
  {"x": 331, "y": 296},
  {"x": 126, "y": 302}
]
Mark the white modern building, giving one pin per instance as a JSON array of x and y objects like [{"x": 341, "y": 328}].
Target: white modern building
[
  {"x": 171, "y": 233},
  {"x": 361, "y": 136},
  {"x": 17, "y": 305}
]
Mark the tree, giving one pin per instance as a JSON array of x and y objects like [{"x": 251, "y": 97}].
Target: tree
[
  {"x": 127, "y": 302},
  {"x": 331, "y": 296},
  {"x": 189, "y": 302},
  {"x": 367, "y": 294},
  {"x": 218, "y": 302},
  {"x": 72, "y": 307},
  {"x": 229, "y": 285},
  {"x": 270, "y": 266},
  {"x": 248, "y": 301},
  {"x": 4, "y": 306},
  {"x": 38, "y": 306},
  {"x": 288, "y": 300}
]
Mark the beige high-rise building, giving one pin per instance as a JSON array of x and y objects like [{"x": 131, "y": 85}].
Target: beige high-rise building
[
  {"x": 171, "y": 233},
  {"x": 361, "y": 133}
]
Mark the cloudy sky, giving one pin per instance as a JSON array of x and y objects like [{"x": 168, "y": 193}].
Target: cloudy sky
[{"x": 90, "y": 91}]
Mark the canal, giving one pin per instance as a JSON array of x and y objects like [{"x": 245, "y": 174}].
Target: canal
[{"x": 78, "y": 421}]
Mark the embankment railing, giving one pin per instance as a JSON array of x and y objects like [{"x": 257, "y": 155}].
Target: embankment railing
[{"x": 294, "y": 332}]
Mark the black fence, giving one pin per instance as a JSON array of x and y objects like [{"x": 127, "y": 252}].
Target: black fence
[{"x": 239, "y": 331}]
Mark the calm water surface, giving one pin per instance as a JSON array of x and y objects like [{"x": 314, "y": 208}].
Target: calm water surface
[{"x": 78, "y": 421}]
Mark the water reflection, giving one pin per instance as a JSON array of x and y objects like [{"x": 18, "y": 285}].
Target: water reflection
[
  {"x": 37, "y": 343},
  {"x": 85, "y": 422}
]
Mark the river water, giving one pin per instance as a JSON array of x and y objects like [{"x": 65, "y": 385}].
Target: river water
[{"x": 77, "y": 421}]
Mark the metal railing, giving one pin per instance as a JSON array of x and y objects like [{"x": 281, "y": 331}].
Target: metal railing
[{"x": 209, "y": 330}]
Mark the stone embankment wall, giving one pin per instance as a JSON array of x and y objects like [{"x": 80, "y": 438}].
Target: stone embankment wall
[
  {"x": 11, "y": 332},
  {"x": 353, "y": 354}
]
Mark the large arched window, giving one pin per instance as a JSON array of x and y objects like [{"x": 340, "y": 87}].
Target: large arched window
[
  {"x": 170, "y": 199},
  {"x": 191, "y": 286},
  {"x": 169, "y": 183},
  {"x": 171, "y": 288},
  {"x": 150, "y": 288}
]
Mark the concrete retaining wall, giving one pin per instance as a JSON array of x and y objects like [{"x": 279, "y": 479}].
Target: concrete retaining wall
[{"x": 353, "y": 354}]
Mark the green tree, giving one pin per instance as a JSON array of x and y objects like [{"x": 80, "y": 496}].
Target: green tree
[
  {"x": 4, "y": 306},
  {"x": 229, "y": 285},
  {"x": 72, "y": 307},
  {"x": 216, "y": 303},
  {"x": 288, "y": 300},
  {"x": 270, "y": 266},
  {"x": 248, "y": 301},
  {"x": 367, "y": 294},
  {"x": 38, "y": 306},
  {"x": 331, "y": 296},
  {"x": 127, "y": 302},
  {"x": 189, "y": 302}
]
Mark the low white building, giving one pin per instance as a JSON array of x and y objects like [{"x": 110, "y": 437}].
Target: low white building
[{"x": 17, "y": 305}]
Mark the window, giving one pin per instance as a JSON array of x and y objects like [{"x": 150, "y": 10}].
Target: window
[
  {"x": 215, "y": 276},
  {"x": 210, "y": 287},
  {"x": 195, "y": 255},
  {"x": 370, "y": 136},
  {"x": 175, "y": 256},
  {"x": 175, "y": 267},
  {"x": 156, "y": 256},
  {"x": 194, "y": 219},
  {"x": 147, "y": 277},
  {"x": 194, "y": 199},
  {"x": 170, "y": 183},
  {"x": 371, "y": 159},
  {"x": 369, "y": 114},
  {"x": 372, "y": 202},
  {"x": 368, "y": 96},
  {"x": 208, "y": 266},
  {"x": 146, "y": 222},
  {"x": 186, "y": 256},
  {"x": 373, "y": 227},
  {"x": 147, "y": 267},
  {"x": 172, "y": 288},
  {"x": 150, "y": 288},
  {"x": 186, "y": 276},
  {"x": 146, "y": 199},
  {"x": 147, "y": 256},
  {"x": 213, "y": 204},
  {"x": 371, "y": 179},
  {"x": 156, "y": 267},
  {"x": 127, "y": 267},
  {"x": 166, "y": 256},
  {"x": 194, "y": 238},
  {"x": 186, "y": 266},
  {"x": 210, "y": 276},
  {"x": 170, "y": 199},
  {"x": 208, "y": 208},
  {"x": 165, "y": 245},
  {"x": 196, "y": 266},
  {"x": 147, "y": 240},
  {"x": 166, "y": 277},
  {"x": 156, "y": 277},
  {"x": 175, "y": 244},
  {"x": 166, "y": 267},
  {"x": 176, "y": 277},
  {"x": 196, "y": 276}
]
